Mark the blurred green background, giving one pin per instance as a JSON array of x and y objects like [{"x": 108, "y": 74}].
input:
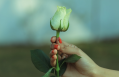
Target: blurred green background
[{"x": 24, "y": 26}]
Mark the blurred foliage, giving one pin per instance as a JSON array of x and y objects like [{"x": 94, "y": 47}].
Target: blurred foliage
[{"x": 16, "y": 61}]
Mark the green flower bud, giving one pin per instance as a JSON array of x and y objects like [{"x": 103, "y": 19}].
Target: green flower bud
[{"x": 60, "y": 20}]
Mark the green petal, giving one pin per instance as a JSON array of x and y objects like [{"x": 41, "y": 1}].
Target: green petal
[
  {"x": 66, "y": 19},
  {"x": 59, "y": 15},
  {"x": 67, "y": 27},
  {"x": 51, "y": 26}
]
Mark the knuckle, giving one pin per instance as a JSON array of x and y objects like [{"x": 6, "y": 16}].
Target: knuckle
[{"x": 63, "y": 49}]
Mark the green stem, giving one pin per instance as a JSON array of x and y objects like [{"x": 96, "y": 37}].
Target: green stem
[
  {"x": 57, "y": 34},
  {"x": 57, "y": 64}
]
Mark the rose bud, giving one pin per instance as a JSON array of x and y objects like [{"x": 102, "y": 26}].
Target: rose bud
[{"x": 60, "y": 20}]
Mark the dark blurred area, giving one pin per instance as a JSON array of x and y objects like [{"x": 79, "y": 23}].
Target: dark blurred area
[
  {"x": 15, "y": 61},
  {"x": 24, "y": 26}
]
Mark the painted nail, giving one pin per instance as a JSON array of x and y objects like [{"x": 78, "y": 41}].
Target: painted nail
[
  {"x": 55, "y": 46},
  {"x": 53, "y": 56},
  {"x": 52, "y": 51},
  {"x": 60, "y": 40}
]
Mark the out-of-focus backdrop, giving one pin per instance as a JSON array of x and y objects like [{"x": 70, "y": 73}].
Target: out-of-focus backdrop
[{"x": 25, "y": 25}]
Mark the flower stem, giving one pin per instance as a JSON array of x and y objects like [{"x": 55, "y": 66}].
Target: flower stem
[
  {"x": 57, "y": 34},
  {"x": 57, "y": 64}
]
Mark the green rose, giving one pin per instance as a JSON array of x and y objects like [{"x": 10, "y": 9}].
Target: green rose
[{"x": 60, "y": 19}]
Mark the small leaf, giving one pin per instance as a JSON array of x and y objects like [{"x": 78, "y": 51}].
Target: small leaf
[
  {"x": 40, "y": 60},
  {"x": 62, "y": 69},
  {"x": 48, "y": 73},
  {"x": 73, "y": 58}
]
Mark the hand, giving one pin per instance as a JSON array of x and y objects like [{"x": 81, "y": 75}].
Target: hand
[{"x": 84, "y": 67}]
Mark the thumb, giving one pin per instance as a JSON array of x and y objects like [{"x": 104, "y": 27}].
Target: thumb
[{"x": 58, "y": 40}]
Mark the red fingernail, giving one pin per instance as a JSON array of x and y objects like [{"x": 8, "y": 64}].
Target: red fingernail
[
  {"x": 52, "y": 51},
  {"x": 55, "y": 46},
  {"x": 53, "y": 56},
  {"x": 60, "y": 40}
]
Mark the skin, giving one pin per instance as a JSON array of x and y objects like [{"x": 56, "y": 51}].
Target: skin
[{"x": 84, "y": 67}]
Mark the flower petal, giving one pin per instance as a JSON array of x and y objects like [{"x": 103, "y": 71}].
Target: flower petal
[
  {"x": 66, "y": 19},
  {"x": 59, "y": 15}
]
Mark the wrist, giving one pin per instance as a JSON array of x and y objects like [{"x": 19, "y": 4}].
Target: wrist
[{"x": 98, "y": 72}]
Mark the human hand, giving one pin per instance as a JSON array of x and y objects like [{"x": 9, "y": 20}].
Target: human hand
[{"x": 84, "y": 67}]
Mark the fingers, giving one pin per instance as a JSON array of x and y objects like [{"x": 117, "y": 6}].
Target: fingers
[
  {"x": 63, "y": 47},
  {"x": 54, "y": 46},
  {"x": 53, "y": 57},
  {"x": 69, "y": 50},
  {"x": 53, "y": 60},
  {"x": 53, "y": 39},
  {"x": 56, "y": 40},
  {"x": 53, "y": 52}
]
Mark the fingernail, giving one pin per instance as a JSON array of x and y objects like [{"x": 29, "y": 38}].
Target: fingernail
[
  {"x": 60, "y": 40},
  {"x": 53, "y": 56},
  {"x": 55, "y": 46},
  {"x": 52, "y": 51}
]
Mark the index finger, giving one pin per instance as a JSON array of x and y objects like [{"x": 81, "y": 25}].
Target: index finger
[{"x": 53, "y": 39}]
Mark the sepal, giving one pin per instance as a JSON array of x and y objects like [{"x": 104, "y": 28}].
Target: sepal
[{"x": 60, "y": 28}]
